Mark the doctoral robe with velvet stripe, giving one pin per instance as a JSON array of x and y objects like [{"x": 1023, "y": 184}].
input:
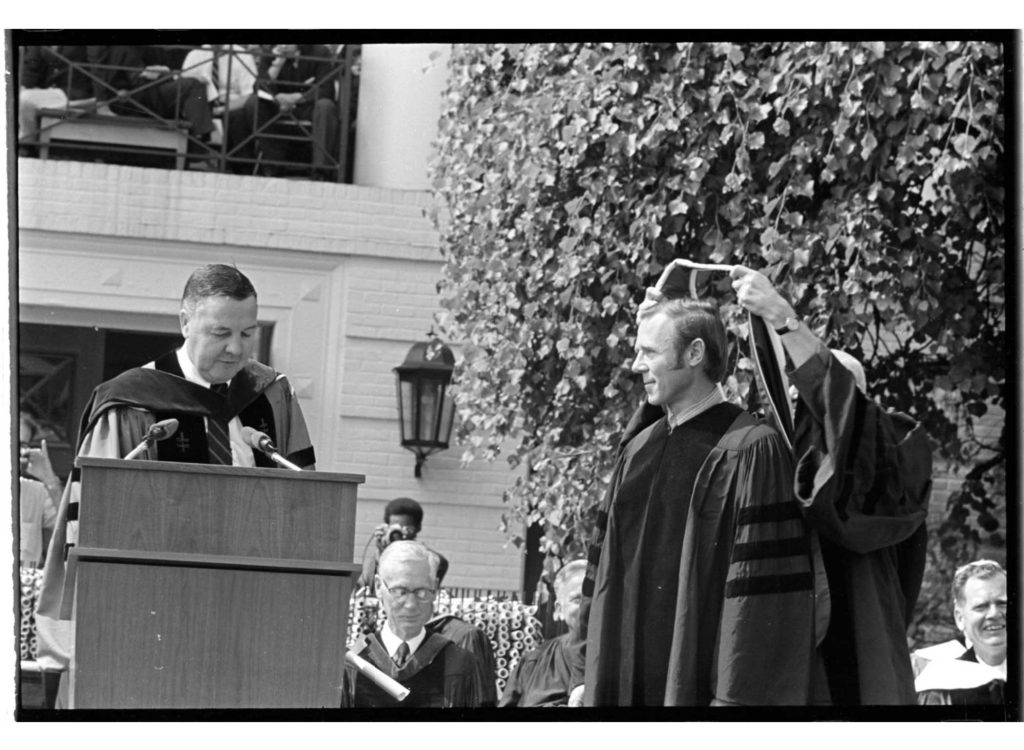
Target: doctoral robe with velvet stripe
[
  {"x": 117, "y": 418},
  {"x": 863, "y": 479},
  {"x": 700, "y": 580}
]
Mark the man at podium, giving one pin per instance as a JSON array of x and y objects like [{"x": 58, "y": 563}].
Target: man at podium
[{"x": 212, "y": 386}]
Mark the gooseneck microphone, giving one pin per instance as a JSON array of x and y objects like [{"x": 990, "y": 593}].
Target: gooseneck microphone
[
  {"x": 262, "y": 442},
  {"x": 159, "y": 431}
]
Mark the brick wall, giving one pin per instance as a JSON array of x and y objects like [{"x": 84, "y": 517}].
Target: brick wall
[
  {"x": 945, "y": 481},
  {"x": 347, "y": 273},
  {"x": 158, "y": 204}
]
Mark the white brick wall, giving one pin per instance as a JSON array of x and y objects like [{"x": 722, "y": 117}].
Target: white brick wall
[{"x": 347, "y": 274}]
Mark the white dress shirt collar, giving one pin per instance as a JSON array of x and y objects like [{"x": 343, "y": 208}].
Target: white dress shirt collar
[
  {"x": 392, "y": 641},
  {"x": 189, "y": 370},
  {"x": 714, "y": 398}
]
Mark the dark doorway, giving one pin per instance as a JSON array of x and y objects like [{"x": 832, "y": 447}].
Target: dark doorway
[
  {"x": 127, "y": 349},
  {"x": 58, "y": 367}
]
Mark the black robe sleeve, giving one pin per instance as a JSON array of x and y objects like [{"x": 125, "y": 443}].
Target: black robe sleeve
[{"x": 865, "y": 484}]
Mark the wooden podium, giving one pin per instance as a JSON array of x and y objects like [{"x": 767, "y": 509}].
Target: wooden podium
[{"x": 196, "y": 586}]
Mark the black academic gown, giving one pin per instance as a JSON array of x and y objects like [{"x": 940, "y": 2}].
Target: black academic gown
[
  {"x": 116, "y": 419},
  {"x": 260, "y": 397},
  {"x": 863, "y": 478},
  {"x": 439, "y": 675},
  {"x": 700, "y": 582},
  {"x": 476, "y": 642},
  {"x": 543, "y": 677}
]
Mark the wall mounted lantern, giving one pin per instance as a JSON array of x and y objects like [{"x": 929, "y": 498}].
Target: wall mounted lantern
[{"x": 425, "y": 407}]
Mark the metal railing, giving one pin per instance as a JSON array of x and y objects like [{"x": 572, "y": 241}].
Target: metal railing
[{"x": 248, "y": 154}]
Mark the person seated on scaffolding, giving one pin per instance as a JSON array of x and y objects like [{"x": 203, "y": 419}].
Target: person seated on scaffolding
[
  {"x": 135, "y": 81},
  {"x": 51, "y": 77},
  {"x": 295, "y": 82},
  {"x": 229, "y": 74}
]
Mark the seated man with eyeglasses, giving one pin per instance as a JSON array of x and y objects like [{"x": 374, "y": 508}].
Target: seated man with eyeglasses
[{"x": 437, "y": 673}]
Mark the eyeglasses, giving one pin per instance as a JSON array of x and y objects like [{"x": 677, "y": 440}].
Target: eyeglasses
[{"x": 401, "y": 592}]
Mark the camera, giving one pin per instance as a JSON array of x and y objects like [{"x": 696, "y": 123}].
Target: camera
[{"x": 397, "y": 533}]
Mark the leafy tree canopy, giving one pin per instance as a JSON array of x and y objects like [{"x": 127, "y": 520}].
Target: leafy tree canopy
[{"x": 865, "y": 179}]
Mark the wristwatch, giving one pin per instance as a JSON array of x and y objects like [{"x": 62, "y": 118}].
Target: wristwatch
[{"x": 788, "y": 325}]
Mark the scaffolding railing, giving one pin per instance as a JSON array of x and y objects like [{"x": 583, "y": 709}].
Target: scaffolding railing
[{"x": 339, "y": 74}]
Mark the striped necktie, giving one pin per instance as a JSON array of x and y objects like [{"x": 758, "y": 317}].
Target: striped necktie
[
  {"x": 217, "y": 433},
  {"x": 401, "y": 655}
]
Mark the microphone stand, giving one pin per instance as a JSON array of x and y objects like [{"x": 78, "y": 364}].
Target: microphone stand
[
  {"x": 159, "y": 431},
  {"x": 262, "y": 443}
]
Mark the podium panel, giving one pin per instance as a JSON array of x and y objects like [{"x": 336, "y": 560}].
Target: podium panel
[
  {"x": 220, "y": 510},
  {"x": 196, "y": 586},
  {"x": 224, "y": 635}
]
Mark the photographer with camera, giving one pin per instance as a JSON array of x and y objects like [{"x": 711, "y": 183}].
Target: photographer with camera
[{"x": 403, "y": 519}]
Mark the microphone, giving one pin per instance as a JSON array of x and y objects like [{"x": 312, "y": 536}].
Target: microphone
[
  {"x": 159, "y": 431},
  {"x": 262, "y": 442}
]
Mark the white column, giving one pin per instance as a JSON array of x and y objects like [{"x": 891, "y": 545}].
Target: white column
[{"x": 399, "y": 105}]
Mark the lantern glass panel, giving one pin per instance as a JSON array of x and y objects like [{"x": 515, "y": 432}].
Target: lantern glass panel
[
  {"x": 430, "y": 401},
  {"x": 407, "y": 407},
  {"x": 447, "y": 416}
]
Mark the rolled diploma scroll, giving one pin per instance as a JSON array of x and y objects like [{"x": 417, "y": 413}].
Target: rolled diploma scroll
[{"x": 395, "y": 689}]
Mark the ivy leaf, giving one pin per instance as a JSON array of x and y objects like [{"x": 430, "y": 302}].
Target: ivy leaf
[
  {"x": 868, "y": 145},
  {"x": 964, "y": 144}
]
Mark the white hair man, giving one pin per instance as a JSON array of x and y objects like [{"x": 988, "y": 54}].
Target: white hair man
[
  {"x": 437, "y": 673},
  {"x": 544, "y": 676},
  {"x": 863, "y": 478}
]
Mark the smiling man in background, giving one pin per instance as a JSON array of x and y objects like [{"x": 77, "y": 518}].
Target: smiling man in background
[{"x": 977, "y": 676}]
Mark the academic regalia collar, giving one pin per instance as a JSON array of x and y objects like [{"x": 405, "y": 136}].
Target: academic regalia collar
[
  {"x": 962, "y": 673},
  {"x": 432, "y": 645},
  {"x": 163, "y": 387},
  {"x": 647, "y": 415},
  {"x": 245, "y": 387},
  {"x": 714, "y": 398}
]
